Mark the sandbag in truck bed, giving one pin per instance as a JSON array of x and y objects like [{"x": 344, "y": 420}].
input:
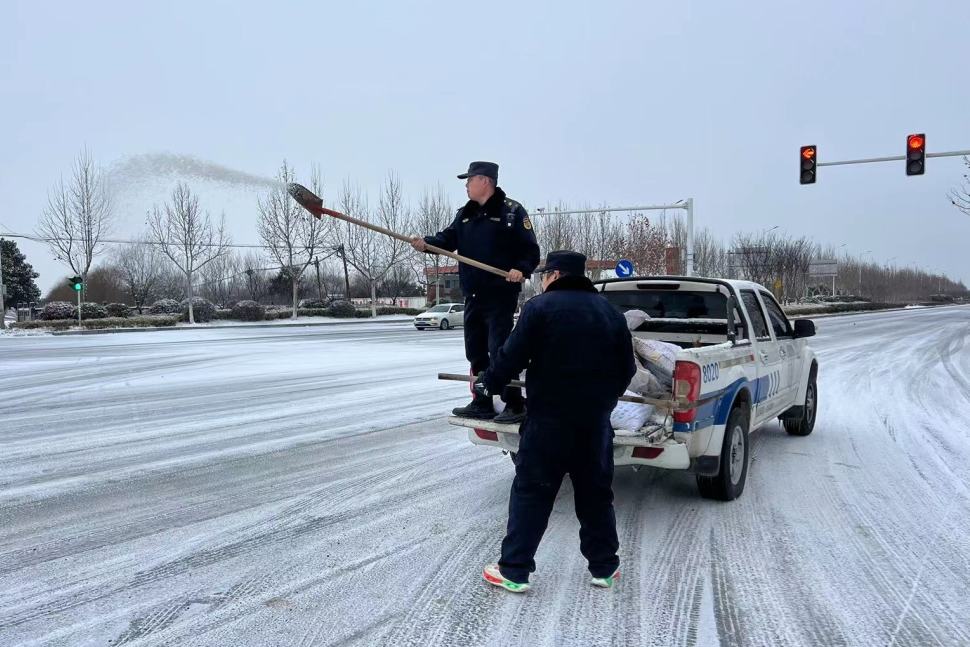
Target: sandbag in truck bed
[{"x": 655, "y": 359}]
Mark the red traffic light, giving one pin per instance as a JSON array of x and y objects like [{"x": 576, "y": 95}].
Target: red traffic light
[
  {"x": 807, "y": 165},
  {"x": 916, "y": 154}
]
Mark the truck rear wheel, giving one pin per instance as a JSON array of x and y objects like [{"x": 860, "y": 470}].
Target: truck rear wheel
[
  {"x": 803, "y": 426},
  {"x": 729, "y": 482}
]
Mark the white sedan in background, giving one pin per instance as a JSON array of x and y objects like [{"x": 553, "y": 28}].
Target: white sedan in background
[{"x": 443, "y": 316}]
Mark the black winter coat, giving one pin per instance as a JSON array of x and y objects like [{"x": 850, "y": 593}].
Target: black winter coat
[
  {"x": 578, "y": 352},
  {"x": 498, "y": 233}
]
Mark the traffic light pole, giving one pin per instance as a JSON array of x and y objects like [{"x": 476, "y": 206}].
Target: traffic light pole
[
  {"x": 78, "y": 308},
  {"x": 894, "y": 158}
]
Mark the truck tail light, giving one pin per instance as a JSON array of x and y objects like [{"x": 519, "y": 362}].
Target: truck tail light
[
  {"x": 485, "y": 434},
  {"x": 687, "y": 388},
  {"x": 647, "y": 452}
]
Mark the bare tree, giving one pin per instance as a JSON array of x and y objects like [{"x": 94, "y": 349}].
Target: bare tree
[
  {"x": 434, "y": 215},
  {"x": 186, "y": 236},
  {"x": 78, "y": 216},
  {"x": 710, "y": 256},
  {"x": 556, "y": 231},
  {"x": 140, "y": 269},
  {"x": 645, "y": 244},
  {"x": 606, "y": 239},
  {"x": 255, "y": 278},
  {"x": 960, "y": 197},
  {"x": 292, "y": 237},
  {"x": 370, "y": 253},
  {"x": 222, "y": 279}
]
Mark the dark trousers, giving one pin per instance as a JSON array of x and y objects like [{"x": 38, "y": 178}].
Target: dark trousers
[
  {"x": 488, "y": 322},
  {"x": 542, "y": 461}
]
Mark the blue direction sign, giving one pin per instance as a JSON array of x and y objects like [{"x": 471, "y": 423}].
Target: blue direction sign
[{"x": 624, "y": 268}]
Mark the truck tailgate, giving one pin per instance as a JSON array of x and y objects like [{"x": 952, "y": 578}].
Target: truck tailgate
[{"x": 627, "y": 450}]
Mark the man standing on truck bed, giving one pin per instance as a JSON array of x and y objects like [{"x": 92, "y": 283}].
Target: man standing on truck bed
[
  {"x": 496, "y": 230},
  {"x": 579, "y": 355}
]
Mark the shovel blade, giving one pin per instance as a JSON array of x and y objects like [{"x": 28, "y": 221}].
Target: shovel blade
[{"x": 305, "y": 197}]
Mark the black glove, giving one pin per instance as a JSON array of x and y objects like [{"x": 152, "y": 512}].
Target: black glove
[{"x": 480, "y": 388}]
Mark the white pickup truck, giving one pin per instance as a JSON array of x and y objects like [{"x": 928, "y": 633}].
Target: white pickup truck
[{"x": 742, "y": 364}]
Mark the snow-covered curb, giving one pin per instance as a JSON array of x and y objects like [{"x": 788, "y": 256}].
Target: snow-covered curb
[
  {"x": 299, "y": 321},
  {"x": 276, "y": 323}
]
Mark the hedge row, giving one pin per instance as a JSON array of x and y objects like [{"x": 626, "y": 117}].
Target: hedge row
[
  {"x": 145, "y": 321},
  {"x": 62, "y": 315},
  {"x": 843, "y": 307}
]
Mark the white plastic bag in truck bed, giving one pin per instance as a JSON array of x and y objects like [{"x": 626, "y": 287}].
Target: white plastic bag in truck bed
[
  {"x": 632, "y": 419},
  {"x": 628, "y": 417}
]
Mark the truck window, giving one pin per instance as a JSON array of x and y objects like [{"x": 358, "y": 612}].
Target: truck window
[
  {"x": 755, "y": 313},
  {"x": 670, "y": 304},
  {"x": 779, "y": 322},
  {"x": 740, "y": 328}
]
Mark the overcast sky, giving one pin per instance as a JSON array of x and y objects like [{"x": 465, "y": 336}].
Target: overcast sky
[{"x": 609, "y": 102}]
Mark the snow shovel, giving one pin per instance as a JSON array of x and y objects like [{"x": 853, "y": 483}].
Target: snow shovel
[{"x": 312, "y": 203}]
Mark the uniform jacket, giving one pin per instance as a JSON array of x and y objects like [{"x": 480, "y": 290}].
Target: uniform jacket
[
  {"x": 578, "y": 352},
  {"x": 498, "y": 233}
]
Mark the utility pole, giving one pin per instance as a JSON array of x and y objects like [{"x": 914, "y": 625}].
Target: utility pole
[
  {"x": 316, "y": 264},
  {"x": 689, "y": 253},
  {"x": 343, "y": 255},
  {"x": 437, "y": 280}
]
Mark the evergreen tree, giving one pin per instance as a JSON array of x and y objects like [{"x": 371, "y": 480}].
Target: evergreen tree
[{"x": 18, "y": 275}]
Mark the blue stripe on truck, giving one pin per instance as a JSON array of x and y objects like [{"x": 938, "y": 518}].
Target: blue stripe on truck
[{"x": 716, "y": 410}]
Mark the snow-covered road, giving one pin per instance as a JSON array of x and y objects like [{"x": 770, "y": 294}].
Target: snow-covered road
[{"x": 300, "y": 486}]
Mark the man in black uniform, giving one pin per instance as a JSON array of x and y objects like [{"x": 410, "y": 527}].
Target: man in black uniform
[
  {"x": 495, "y": 230},
  {"x": 579, "y": 356}
]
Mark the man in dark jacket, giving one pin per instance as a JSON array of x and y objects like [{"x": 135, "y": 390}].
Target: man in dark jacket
[
  {"x": 579, "y": 356},
  {"x": 495, "y": 230}
]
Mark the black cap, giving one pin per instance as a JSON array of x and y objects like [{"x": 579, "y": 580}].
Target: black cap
[
  {"x": 488, "y": 169},
  {"x": 565, "y": 261}
]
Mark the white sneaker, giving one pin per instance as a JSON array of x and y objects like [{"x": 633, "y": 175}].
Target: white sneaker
[{"x": 494, "y": 576}]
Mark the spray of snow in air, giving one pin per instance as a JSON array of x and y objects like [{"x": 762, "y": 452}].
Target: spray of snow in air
[{"x": 138, "y": 168}]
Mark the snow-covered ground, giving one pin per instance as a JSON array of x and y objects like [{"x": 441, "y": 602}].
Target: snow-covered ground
[{"x": 299, "y": 486}]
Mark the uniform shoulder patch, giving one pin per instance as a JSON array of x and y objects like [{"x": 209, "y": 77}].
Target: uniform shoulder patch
[{"x": 526, "y": 222}]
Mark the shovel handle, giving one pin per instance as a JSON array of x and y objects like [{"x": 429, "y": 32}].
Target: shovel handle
[
  {"x": 636, "y": 399},
  {"x": 312, "y": 203}
]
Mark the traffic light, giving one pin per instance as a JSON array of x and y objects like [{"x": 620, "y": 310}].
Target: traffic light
[
  {"x": 807, "y": 164},
  {"x": 76, "y": 283},
  {"x": 916, "y": 154}
]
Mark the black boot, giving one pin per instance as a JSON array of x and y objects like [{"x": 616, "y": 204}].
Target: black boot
[
  {"x": 513, "y": 414},
  {"x": 479, "y": 409}
]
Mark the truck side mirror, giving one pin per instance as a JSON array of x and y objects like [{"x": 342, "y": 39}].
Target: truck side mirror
[{"x": 804, "y": 328}]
